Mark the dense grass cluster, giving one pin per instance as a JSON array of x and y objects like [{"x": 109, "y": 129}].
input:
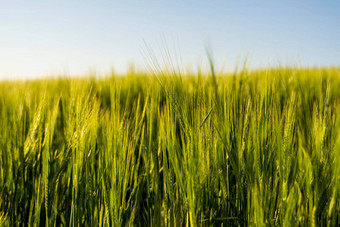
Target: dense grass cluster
[{"x": 259, "y": 148}]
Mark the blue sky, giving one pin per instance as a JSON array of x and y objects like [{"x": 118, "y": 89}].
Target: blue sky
[{"x": 39, "y": 38}]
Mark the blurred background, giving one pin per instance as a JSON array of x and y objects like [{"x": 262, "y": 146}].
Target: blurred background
[{"x": 75, "y": 38}]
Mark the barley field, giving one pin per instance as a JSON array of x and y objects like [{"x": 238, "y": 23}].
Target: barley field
[{"x": 252, "y": 148}]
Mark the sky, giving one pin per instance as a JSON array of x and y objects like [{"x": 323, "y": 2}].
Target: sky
[{"x": 75, "y": 38}]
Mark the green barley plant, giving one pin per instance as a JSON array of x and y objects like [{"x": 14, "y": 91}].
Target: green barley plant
[{"x": 252, "y": 148}]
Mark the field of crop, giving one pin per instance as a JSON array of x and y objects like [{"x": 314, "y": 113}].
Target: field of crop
[{"x": 251, "y": 148}]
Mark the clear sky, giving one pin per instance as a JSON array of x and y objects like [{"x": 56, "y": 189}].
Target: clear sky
[{"x": 39, "y": 38}]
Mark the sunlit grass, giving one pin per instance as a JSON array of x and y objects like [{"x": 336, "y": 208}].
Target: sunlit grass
[{"x": 251, "y": 148}]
